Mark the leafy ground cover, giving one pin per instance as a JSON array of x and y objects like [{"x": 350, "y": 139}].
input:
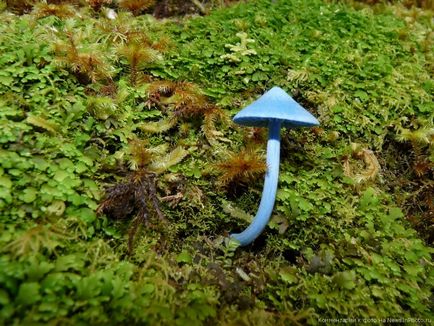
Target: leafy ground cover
[{"x": 106, "y": 122}]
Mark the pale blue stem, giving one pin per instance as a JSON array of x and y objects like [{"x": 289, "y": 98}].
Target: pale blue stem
[{"x": 270, "y": 188}]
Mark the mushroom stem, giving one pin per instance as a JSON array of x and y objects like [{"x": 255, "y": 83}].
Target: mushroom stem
[{"x": 270, "y": 187}]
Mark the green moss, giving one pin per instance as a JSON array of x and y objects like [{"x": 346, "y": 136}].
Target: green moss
[{"x": 340, "y": 244}]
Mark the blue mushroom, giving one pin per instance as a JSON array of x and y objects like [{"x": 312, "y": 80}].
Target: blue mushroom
[{"x": 274, "y": 109}]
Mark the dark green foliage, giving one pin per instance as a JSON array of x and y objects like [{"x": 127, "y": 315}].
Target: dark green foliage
[
  {"x": 425, "y": 4},
  {"x": 347, "y": 67},
  {"x": 358, "y": 74},
  {"x": 339, "y": 244}
]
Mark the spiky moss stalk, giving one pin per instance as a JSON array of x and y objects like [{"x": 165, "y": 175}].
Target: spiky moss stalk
[{"x": 270, "y": 188}]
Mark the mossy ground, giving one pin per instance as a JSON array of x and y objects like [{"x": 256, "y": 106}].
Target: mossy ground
[{"x": 88, "y": 102}]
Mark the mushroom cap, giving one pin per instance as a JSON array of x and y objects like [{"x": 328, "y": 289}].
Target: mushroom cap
[{"x": 275, "y": 104}]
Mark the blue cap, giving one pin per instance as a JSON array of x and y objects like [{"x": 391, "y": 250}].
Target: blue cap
[{"x": 275, "y": 104}]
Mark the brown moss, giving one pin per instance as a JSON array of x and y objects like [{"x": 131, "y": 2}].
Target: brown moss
[{"x": 240, "y": 167}]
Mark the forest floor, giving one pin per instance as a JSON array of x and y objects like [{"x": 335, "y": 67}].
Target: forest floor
[{"x": 122, "y": 174}]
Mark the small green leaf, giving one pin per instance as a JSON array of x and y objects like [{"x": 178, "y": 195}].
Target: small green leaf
[
  {"x": 6, "y": 80},
  {"x": 69, "y": 262},
  {"x": 28, "y": 195},
  {"x": 4, "y": 297},
  {"x": 6, "y": 195},
  {"x": 38, "y": 270},
  {"x": 304, "y": 205},
  {"x": 85, "y": 214},
  {"x": 345, "y": 280},
  {"x": 49, "y": 307},
  {"x": 148, "y": 288},
  {"x": 395, "y": 213},
  {"x": 361, "y": 95},
  {"x": 60, "y": 175},
  {"x": 28, "y": 293},
  {"x": 288, "y": 276},
  {"x": 88, "y": 287},
  {"x": 5, "y": 182},
  {"x": 184, "y": 257},
  {"x": 368, "y": 199}
]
